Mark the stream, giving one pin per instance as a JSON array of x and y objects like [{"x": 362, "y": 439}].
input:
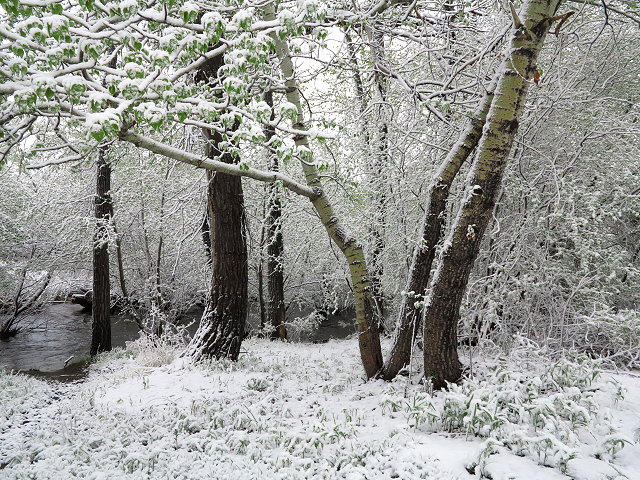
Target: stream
[
  {"x": 61, "y": 333},
  {"x": 55, "y": 334}
]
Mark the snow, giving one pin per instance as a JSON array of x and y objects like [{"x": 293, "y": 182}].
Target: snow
[
  {"x": 242, "y": 15},
  {"x": 295, "y": 411},
  {"x": 96, "y": 121},
  {"x": 133, "y": 70},
  {"x": 189, "y": 7},
  {"x": 504, "y": 466},
  {"x": 591, "y": 469},
  {"x": 211, "y": 19},
  {"x": 286, "y": 17},
  {"x": 150, "y": 112},
  {"x": 54, "y": 22},
  {"x": 128, "y": 4}
]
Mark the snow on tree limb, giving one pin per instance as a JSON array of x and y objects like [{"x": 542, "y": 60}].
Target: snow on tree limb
[{"x": 200, "y": 161}]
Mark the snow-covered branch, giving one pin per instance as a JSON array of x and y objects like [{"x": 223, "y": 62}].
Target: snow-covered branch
[{"x": 200, "y": 161}]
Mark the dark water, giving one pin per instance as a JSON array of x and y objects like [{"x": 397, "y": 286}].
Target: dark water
[
  {"x": 55, "y": 334},
  {"x": 62, "y": 333},
  {"x": 338, "y": 324}
]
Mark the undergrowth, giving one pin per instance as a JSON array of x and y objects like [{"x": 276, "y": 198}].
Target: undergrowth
[
  {"x": 526, "y": 403},
  {"x": 287, "y": 411}
]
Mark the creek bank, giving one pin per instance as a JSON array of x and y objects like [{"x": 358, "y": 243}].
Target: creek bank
[{"x": 55, "y": 341}]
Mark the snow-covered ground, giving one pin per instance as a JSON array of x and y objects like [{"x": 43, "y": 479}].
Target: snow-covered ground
[{"x": 293, "y": 411}]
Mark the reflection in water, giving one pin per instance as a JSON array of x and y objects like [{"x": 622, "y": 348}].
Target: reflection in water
[{"x": 55, "y": 334}]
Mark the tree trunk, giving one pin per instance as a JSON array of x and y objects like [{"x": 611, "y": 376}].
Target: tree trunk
[
  {"x": 376, "y": 173},
  {"x": 222, "y": 326},
  {"x": 261, "y": 304},
  {"x": 441, "y": 363},
  {"x": 275, "y": 274},
  {"x": 408, "y": 323},
  {"x": 377, "y": 155},
  {"x": 101, "y": 327},
  {"x": 206, "y": 236},
  {"x": 368, "y": 336},
  {"x": 260, "y": 273},
  {"x": 276, "y": 312}
]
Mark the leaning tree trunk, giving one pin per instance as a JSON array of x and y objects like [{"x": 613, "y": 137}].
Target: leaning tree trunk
[
  {"x": 433, "y": 222},
  {"x": 368, "y": 336},
  {"x": 276, "y": 312},
  {"x": 222, "y": 326},
  {"x": 101, "y": 328},
  {"x": 441, "y": 363}
]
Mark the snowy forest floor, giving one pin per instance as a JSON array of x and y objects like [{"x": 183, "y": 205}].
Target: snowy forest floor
[{"x": 290, "y": 411}]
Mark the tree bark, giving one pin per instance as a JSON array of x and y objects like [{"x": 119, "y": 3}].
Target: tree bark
[
  {"x": 276, "y": 312},
  {"x": 441, "y": 363},
  {"x": 408, "y": 322},
  {"x": 377, "y": 163},
  {"x": 260, "y": 272},
  {"x": 275, "y": 272},
  {"x": 368, "y": 336},
  {"x": 261, "y": 304},
  {"x": 101, "y": 327},
  {"x": 206, "y": 236},
  {"x": 222, "y": 326},
  {"x": 377, "y": 157}
]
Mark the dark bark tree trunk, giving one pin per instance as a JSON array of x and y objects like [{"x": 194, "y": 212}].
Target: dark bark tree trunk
[
  {"x": 441, "y": 363},
  {"x": 206, "y": 236},
  {"x": 260, "y": 269},
  {"x": 276, "y": 312},
  {"x": 379, "y": 160},
  {"x": 222, "y": 326},
  {"x": 275, "y": 274},
  {"x": 101, "y": 327},
  {"x": 408, "y": 323},
  {"x": 260, "y": 274}
]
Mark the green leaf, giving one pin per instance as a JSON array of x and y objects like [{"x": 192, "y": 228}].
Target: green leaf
[{"x": 99, "y": 135}]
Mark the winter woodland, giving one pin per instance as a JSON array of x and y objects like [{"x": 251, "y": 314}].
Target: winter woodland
[{"x": 320, "y": 239}]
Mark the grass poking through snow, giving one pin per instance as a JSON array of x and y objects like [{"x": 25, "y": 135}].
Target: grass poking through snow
[{"x": 297, "y": 411}]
